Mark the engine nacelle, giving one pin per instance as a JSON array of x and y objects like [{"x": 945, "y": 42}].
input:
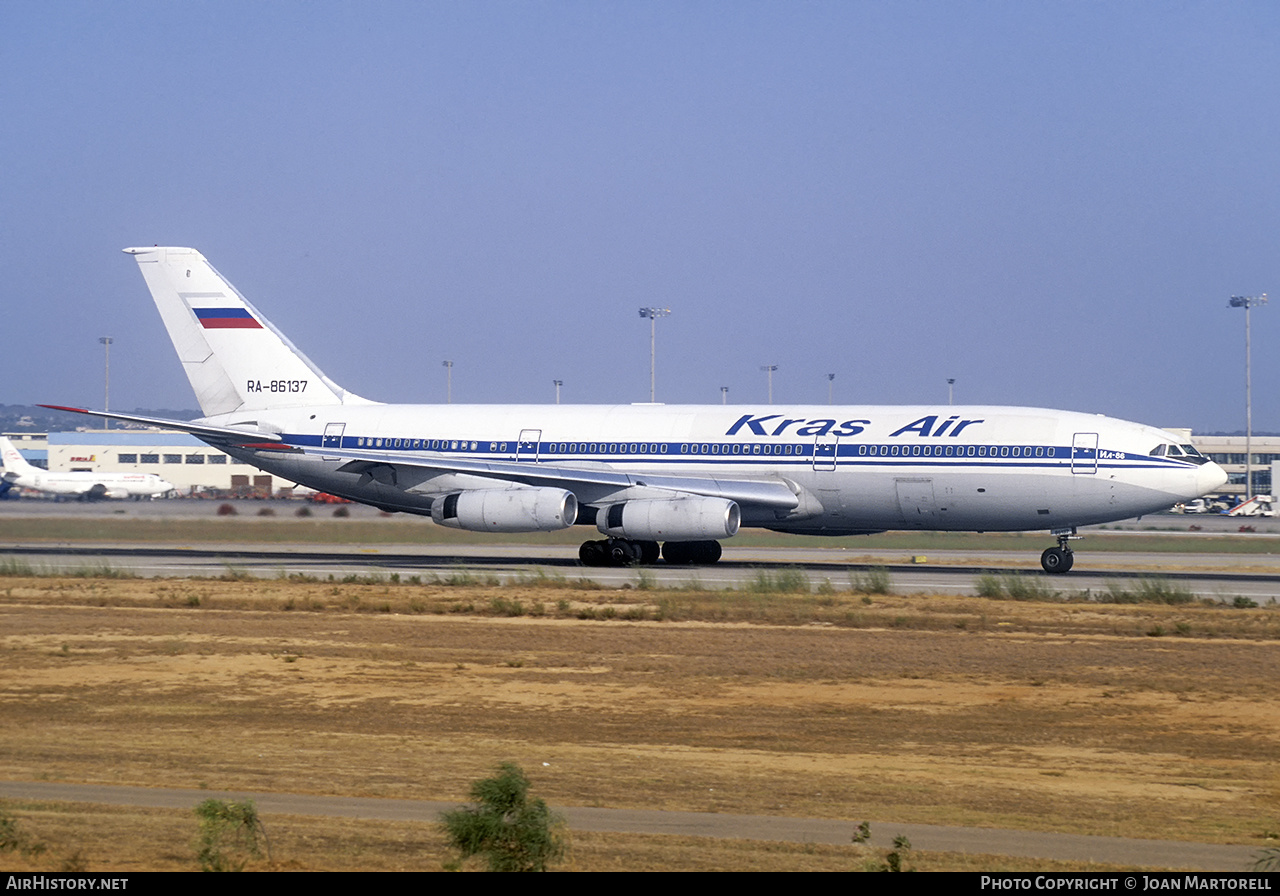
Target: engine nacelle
[
  {"x": 677, "y": 519},
  {"x": 507, "y": 510}
]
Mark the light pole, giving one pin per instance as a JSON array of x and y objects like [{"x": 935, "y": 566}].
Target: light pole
[
  {"x": 558, "y": 383},
  {"x": 831, "y": 385},
  {"x": 951, "y": 394},
  {"x": 106, "y": 398},
  {"x": 724, "y": 394},
  {"x": 1248, "y": 302},
  {"x": 769, "y": 369},
  {"x": 653, "y": 314},
  {"x": 448, "y": 380}
]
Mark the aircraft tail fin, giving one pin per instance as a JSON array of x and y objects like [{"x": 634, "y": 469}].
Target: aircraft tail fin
[
  {"x": 14, "y": 462},
  {"x": 234, "y": 357}
]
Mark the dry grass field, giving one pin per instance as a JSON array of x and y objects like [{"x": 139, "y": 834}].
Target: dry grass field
[{"x": 1137, "y": 720}]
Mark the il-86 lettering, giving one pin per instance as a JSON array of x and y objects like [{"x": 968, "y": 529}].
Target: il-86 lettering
[{"x": 277, "y": 386}]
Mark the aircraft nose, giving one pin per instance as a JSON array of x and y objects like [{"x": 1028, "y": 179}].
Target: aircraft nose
[{"x": 1210, "y": 477}]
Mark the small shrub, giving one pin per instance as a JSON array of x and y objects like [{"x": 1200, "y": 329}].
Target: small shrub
[
  {"x": 1028, "y": 588},
  {"x": 891, "y": 860},
  {"x": 14, "y": 839},
  {"x": 1010, "y": 586},
  {"x": 784, "y": 581},
  {"x": 225, "y": 509},
  {"x": 501, "y": 606},
  {"x": 875, "y": 580},
  {"x": 507, "y": 828},
  {"x": 342, "y": 512},
  {"x": 12, "y": 566},
  {"x": 229, "y": 835},
  {"x": 1267, "y": 860},
  {"x": 1148, "y": 591},
  {"x": 989, "y": 585},
  {"x": 539, "y": 578}
]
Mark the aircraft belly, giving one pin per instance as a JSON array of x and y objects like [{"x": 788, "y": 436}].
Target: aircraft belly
[{"x": 385, "y": 491}]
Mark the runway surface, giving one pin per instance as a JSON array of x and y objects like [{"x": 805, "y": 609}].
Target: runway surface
[
  {"x": 1209, "y": 575},
  {"x": 1212, "y": 576}
]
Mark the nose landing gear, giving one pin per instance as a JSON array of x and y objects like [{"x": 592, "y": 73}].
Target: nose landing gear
[{"x": 1060, "y": 559}]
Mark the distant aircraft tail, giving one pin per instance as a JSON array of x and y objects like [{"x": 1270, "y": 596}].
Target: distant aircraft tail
[
  {"x": 14, "y": 463},
  {"x": 234, "y": 357}
]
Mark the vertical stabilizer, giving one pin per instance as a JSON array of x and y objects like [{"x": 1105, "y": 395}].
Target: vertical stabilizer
[
  {"x": 14, "y": 462},
  {"x": 234, "y": 357}
]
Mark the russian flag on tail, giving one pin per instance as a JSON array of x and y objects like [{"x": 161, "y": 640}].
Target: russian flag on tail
[{"x": 226, "y": 319}]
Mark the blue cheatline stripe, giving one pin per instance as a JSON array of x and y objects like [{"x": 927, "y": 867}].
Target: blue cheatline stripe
[{"x": 679, "y": 453}]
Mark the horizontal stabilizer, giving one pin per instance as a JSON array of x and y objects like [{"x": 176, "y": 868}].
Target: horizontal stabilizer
[{"x": 229, "y": 434}]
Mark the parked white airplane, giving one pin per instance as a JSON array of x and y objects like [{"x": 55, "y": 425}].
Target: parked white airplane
[
  {"x": 686, "y": 476},
  {"x": 90, "y": 486}
]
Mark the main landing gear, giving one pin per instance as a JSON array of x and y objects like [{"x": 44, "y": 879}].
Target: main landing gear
[
  {"x": 1060, "y": 559},
  {"x": 626, "y": 552}
]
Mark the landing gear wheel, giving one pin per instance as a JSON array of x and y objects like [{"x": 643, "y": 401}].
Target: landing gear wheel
[
  {"x": 592, "y": 553},
  {"x": 622, "y": 552},
  {"x": 1056, "y": 560},
  {"x": 691, "y": 552},
  {"x": 649, "y": 552}
]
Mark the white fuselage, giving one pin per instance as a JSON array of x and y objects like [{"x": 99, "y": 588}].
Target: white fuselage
[
  {"x": 853, "y": 469},
  {"x": 104, "y": 485}
]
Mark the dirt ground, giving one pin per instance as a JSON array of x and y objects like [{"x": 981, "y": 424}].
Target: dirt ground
[{"x": 1137, "y": 721}]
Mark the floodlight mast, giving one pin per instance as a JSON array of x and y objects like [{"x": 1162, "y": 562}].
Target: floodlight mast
[
  {"x": 106, "y": 370},
  {"x": 1248, "y": 302},
  {"x": 769, "y": 369},
  {"x": 653, "y": 314}
]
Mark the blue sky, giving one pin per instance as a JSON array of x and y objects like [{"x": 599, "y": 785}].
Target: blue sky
[{"x": 1049, "y": 202}]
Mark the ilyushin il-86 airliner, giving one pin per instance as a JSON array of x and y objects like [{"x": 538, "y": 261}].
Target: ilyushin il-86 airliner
[{"x": 655, "y": 480}]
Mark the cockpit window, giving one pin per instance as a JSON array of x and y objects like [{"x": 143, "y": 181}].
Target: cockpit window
[
  {"x": 1194, "y": 456},
  {"x": 1182, "y": 452}
]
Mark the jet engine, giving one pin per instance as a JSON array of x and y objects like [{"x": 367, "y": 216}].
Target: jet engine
[
  {"x": 507, "y": 510},
  {"x": 677, "y": 519}
]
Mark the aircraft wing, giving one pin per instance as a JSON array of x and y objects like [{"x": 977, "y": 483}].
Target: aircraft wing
[
  {"x": 229, "y": 434},
  {"x": 773, "y": 494}
]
